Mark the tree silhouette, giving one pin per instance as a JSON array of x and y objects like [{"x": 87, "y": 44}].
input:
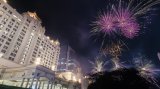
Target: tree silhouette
[{"x": 120, "y": 79}]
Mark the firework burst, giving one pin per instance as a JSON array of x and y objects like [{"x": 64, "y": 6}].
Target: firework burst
[
  {"x": 98, "y": 65},
  {"x": 122, "y": 18},
  {"x": 126, "y": 23},
  {"x": 147, "y": 70},
  {"x": 114, "y": 51},
  {"x": 105, "y": 24},
  {"x": 131, "y": 30}
]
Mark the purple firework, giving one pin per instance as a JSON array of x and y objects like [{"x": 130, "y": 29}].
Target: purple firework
[
  {"x": 131, "y": 30},
  {"x": 127, "y": 23},
  {"x": 123, "y": 17},
  {"x": 106, "y": 23}
]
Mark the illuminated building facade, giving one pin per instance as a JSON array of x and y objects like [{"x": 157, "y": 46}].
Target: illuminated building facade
[
  {"x": 23, "y": 40},
  {"x": 67, "y": 61},
  {"x": 23, "y": 44},
  {"x": 68, "y": 67}
]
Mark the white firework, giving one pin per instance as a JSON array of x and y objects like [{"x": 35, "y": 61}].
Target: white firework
[
  {"x": 147, "y": 70},
  {"x": 98, "y": 65}
]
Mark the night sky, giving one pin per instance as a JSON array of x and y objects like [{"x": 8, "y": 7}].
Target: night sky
[{"x": 70, "y": 20}]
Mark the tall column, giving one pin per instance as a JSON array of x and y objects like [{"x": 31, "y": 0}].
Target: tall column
[
  {"x": 43, "y": 85},
  {"x": 48, "y": 85},
  {"x": 27, "y": 83},
  {"x": 31, "y": 83},
  {"x": 54, "y": 86},
  {"x": 22, "y": 82},
  {"x": 39, "y": 85},
  {"x": 2, "y": 82},
  {"x": 59, "y": 87},
  {"x": 67, "y": 87},
  {"x": 51, "y": 85},
  {"x": 36, "y": 83}
]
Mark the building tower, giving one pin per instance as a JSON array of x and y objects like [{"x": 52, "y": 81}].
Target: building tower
[{"x": 23, "y": 39}]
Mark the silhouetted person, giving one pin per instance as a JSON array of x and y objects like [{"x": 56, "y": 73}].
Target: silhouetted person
[{"x": 120, "y": 79}]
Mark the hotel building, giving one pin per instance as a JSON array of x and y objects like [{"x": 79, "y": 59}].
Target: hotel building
[
  {"x": 23, "y": 39},
  {"x": 23, "y": 44}
]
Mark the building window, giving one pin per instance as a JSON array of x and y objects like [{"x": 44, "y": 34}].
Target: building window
[
  {"x": 9, "y": 39},
  {"x": 7, "y": 43},
  {"x": 14, "y": 29},
  {"x": 31, "y": 62},
  {"x": 13, "y": 20},
  {"x": 12, "y": 54},
  {"x": 19, "y": 40},
  {"x": 9, "y": 12},
  {"x": 11, "y": 36},
  {"x": 10, "y": 58},
  {"x": 17, "y": 23},
  {"x": 12, "y": 33},
  {"x": 27, "y": 24},
  {"x": 9, "y": 26},
  {"x": 5, "y": 19},
  {"x": 16, "y": 26},
  {"x": 3, "y": 22},
  {"x": 5, "y": 47},
  {"x": 33, "y": 55},
  {"x": 28, "y": 21},
  {"x": 1, "y": 40},
  {"x": 23, "y": 31},
  {"x": 15, "y": 51},
  {"x": 5, "y": 8},
  {"x": 1, "y": 13},
  {"x": 18, "y": 43},
  {"x": 11, "y": 23},
  {"x": 3, "y": 51},
  {"x": 3, "y": 36},
  {"x": 7, "y": 29}
]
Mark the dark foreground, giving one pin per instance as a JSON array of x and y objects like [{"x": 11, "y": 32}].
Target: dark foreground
[
  {"x": 10, "y": 87},
  {"x": 120, "y": 79}
]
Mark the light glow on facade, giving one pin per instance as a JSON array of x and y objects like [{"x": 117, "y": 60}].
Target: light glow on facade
[
  {"x": 69, "y": 76},
  {"x": 23, "y": 38},
  {"x": 53, "y": 67},
  {"x": 57, "y": 42},
  {"x": 48, "y": 37},
  {"x": 38, "y": 61},
  {"x": 5, "y": 1},
  {"x": 1, "y": 54}
]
